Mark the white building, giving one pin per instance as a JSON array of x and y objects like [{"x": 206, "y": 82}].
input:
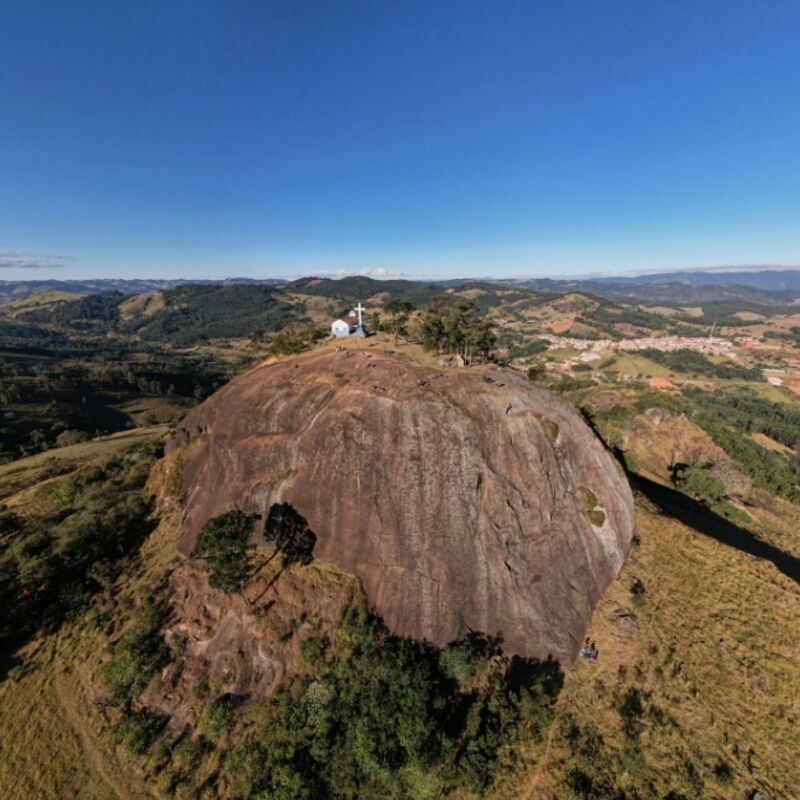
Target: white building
[
  {"x": 350, "y": 325},
  {"x": 344, "y": 326}
]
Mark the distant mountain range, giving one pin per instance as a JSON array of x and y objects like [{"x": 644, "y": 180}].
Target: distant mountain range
[
  {"x": 14, "y": 290},
  {"x": 764, "y": 286},
  {"x": 773, "y": 280}
]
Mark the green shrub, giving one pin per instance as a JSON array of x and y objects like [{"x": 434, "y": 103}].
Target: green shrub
[
  {"x": 137, "y": 656},
  {"x": 630, "y": 707},
  {"x": 465, "y": 659},
  {"x": 137, "y": 730},
  {"x": 699, "y": 483},
  {"x": 218, "y": 716}
]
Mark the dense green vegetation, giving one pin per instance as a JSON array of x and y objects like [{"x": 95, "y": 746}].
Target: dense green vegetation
[
  {"x": 605, "y": 317},
  {"x": 188, "y": 314},
  {"x": 52, "y": 563},
  {"x": 196, "y": 313},
  {"x": 699, "y": 483},
  {"x": 728, "y": 418},
  {"x": 136, "y": 657},
  {"x": 100, "y": 393},
  {"x": 397, "y": 313},
  {"x": 351, "y": 290},
  {"x": 99, "y": 311},
  {"x": 381, "y": 716},
  {"x": 292, "y": 341},
  {"x": 748, "y": 412}
]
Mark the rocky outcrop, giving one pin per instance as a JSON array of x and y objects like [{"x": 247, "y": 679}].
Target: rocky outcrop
[{"x": 463, "y": 500}]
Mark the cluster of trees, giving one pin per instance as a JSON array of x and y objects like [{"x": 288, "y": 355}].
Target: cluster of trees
[
  {"x": 526, "y": 349},
  {"x": 382, "y": 716},
  {"x": 291, "y": 341},
  {"x": 396, "y": 316},
  {"x": 699, "y": 482},
  {"x": 769, "y": 470},
  {"x": 85, "y": 313},
  {"x": 692, "y": 363},
  {"x": 374, "y": 716},
  {"x": 225, "y": 543},
  {"x": 196, "y": 313},
  {"x": 454, "y": 325},
  {"x": 606, "y": 316},
  {"x": 772, "y": 471},
  {"x": 753, "y": 414},
  {"x": 189, "y": 314}
]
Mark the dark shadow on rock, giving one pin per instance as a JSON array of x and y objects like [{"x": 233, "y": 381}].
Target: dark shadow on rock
[
  {"x": 524, "y": 672},
  {"x": 703, "y": 520},
  {"x": 289, "y": 532},
  {"x": 292, "y": 538}
]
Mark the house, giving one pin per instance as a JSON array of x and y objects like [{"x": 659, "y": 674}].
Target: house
[
  {"x": 344, "y": 326},
  {"x": 350, "y": 325}
]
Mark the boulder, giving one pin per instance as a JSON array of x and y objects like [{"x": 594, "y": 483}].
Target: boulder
[{"x": 462, "y": 499}]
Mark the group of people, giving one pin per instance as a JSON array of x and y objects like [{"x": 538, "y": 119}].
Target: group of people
[{"x": 589, "y": 649}]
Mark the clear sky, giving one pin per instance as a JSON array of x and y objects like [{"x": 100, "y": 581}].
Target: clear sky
[{"x": 199, "y": 139}]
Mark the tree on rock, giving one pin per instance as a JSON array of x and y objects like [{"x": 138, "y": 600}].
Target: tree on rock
[
  {"x": 398, "y": 312},
  {"x": 225, "y": 544},
  {"x": 288, "y": 531},
  {"x": 452, "y": 324}
]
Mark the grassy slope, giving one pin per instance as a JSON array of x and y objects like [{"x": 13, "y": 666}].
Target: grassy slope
[
  {"x": 60, "y": 746},
  {"x": 18, "y": 475},
  {"x": 713, "y": 642}
]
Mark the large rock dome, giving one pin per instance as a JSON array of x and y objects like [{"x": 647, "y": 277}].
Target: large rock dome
[{"x": 462, "y": 499}]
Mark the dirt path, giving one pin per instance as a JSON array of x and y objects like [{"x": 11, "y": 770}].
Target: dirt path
[
  {"x": 66, "y": 697},
  {"x": 531, "y": 789}
]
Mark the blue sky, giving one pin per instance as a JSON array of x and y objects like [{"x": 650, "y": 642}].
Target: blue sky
[{"x": 427, "y": 138}]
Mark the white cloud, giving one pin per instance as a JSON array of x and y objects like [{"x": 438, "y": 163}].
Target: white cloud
[
  {"x": 368, "y": 272},
  {"x": 11, "y": 259}
]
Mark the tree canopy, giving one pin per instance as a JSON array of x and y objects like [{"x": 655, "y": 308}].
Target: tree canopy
[
  {"x": 224, "y": 542},
  {"x": 453, "y": 324}
]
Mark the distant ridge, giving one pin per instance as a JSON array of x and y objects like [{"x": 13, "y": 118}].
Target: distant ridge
[
  {"x": 769, "y": 287},
  {"x": 770, "y": 279},
  {"x": 12, "y": 290}
]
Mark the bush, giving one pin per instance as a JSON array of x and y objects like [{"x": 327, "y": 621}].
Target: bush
[
  {"x": 465, "y": 659},
  {"x": 217, "y": 717},
  {"x": 56, "y": 560},
  {"x": 630, "y": 707},
  {"x": 699, "y": 483},
  {"x": 137, "y": 730},
  {"x": 137, "y": 656},
  {"x": 289, "y": 342}
]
